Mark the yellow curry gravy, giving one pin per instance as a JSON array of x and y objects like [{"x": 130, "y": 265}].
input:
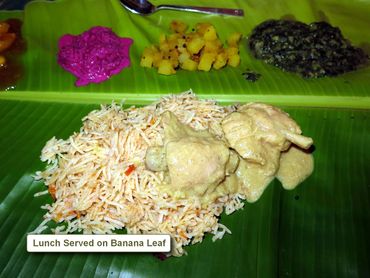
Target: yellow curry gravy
[{"x": 259, "y": 143}]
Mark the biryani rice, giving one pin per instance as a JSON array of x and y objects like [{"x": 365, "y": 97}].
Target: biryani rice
[{"x": 87, "y": 173}]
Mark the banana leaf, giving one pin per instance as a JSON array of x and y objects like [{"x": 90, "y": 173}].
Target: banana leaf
[
  {"x": 320, "y": 229},
  {"x": 45, "y": 22}
]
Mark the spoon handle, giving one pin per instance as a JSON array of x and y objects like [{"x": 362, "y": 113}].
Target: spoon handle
[{"x": 205, "y": 10}]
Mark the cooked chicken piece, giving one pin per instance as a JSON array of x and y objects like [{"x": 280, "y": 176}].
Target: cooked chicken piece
[
  {"x": 231, "y": 184},
  {"x": 197, "y": 162},
  {"x": 295, "y": 166},
  {"x": 233, "y": 163},
  {"x": 259, "y": 133},
  {"x": 238, "y": 132},
  {"x": 200, "y": 165},
  {"x": 155, "y": 159},
  {"x": 175, "y": 130},
  {"x": 255, "y": 124},
  {"x": 195, "y": 159},
  {"x": 297, "y": 139},
  {"x": 281, "y": 121},
  {"x": 253, "y": 178}
]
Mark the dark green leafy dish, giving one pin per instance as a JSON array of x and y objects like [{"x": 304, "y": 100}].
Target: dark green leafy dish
[{"x": 314, "y": 50}]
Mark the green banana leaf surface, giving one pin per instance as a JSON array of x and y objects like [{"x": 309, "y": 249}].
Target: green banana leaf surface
[
  {"x": 45, "y": 22},
  {"x": 320, "y": 229}
]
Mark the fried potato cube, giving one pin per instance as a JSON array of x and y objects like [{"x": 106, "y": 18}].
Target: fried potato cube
[
  {"x": 4, "y": 27},
  {"x": 221, "y": 60},
  {"x": 173, "y": 37},
  {"x": 206, "y": 61},
  {"x": 2, "y": 61},
  {"x": 210, "y": 34},
  {"x": 181, "y": 45},
  {"x": 202, "y": 27},
  {"x": 146, "y": 61},
  {"x": 148, "y": 56},
  {"x": 157, "y": 57},
  {"x": 165, "y": 67},
  {"x": 184, "y": 56},
  {"x": 199, "y": 49},
  {"x": 189, "y": 64},
  {"x": 213, "y": 46},
  {"x": 165, "y": 46},
  {"x": 234, "y": 60},
  {"x": 178, "y": 26},
  {"x": 174, "y": 58},
  {"x": 162, "y": 38},
  {"x": 151, "y": 57},
  {"x": 234, "y": 39},
  {"x": 232, "y": 51},
  {"x": 233, "y": 56},
  {"x": 195, "y": 45},
  {"x": 6, "y": 40},
  {"x": 172, "y": 40}
]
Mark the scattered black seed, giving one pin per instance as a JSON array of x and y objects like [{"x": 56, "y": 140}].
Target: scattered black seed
[
  {"x": 296, "y": 197},
  {"x": 251, "y": 75},
  {"x": 313, "y": 50}
]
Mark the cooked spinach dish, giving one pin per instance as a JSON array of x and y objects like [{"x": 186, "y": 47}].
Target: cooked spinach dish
[{"x": 311, "y": 50}]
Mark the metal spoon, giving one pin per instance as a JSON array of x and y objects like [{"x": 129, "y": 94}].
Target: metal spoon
[{"x": 144, "y": 7}]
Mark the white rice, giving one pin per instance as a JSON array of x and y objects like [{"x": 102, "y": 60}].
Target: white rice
[{"x": 93, "y": 193}]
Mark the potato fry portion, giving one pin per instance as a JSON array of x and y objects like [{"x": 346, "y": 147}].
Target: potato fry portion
[
  {"x": 6, "y": 41},
  {"x": 200, "y": 49}
]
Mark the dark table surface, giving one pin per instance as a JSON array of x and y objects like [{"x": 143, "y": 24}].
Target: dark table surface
[{"x": 13, "y": 4}]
